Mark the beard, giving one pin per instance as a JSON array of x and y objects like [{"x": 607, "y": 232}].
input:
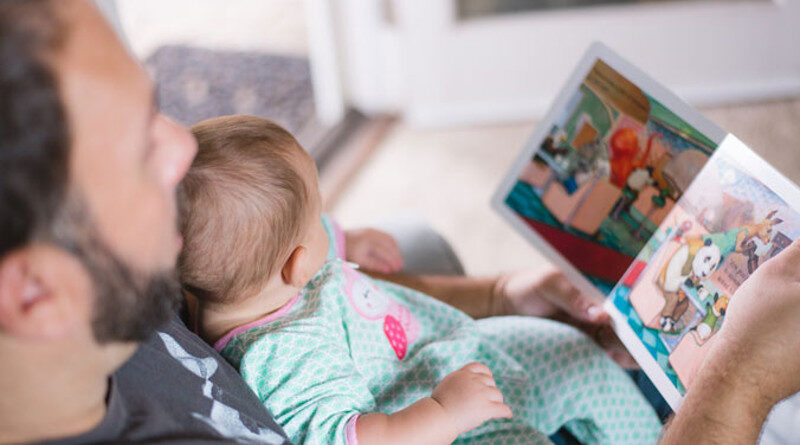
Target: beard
[{"x": 129, "y": 304}]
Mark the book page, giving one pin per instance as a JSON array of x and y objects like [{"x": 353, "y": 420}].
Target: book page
[
  {"x": 737, "y": 214},
  {"x": 605, "y": 167}
]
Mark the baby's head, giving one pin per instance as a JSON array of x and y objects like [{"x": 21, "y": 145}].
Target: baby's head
[{"x": 250, "y": 212}]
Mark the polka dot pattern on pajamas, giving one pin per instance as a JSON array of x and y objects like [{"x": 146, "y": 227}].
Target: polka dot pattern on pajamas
[{"x": 353, "y": 345}]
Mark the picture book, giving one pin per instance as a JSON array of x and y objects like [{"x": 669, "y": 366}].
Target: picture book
[{"x": 640, "y": 199}]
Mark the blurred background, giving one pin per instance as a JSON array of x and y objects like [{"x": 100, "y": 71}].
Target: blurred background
[{"x": 415, "y": 108}]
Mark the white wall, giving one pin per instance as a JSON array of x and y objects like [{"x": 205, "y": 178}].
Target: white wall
[{"x": 438, "y": 71}]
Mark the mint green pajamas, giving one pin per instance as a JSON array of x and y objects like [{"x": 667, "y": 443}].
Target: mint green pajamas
[{"x": 350, "y": 345}]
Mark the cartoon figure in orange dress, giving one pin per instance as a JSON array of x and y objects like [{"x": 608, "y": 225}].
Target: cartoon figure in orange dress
[{"x": 624, "y": 154}]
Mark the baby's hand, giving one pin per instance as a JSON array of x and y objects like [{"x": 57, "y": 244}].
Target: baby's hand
[
  {"x": 373, "y": 250},
  {"x": 470, "y": 397}
]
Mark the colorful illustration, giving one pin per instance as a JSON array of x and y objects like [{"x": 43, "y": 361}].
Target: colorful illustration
[
  {"x": 399, "y": 325},
  {"x": 676, "y": 293},
  {"x": 611, "y": 168}
]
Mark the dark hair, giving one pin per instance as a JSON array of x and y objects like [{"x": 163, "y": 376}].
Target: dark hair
[
  {"x": 34, "y": 139},
  {"x": 36, "y": 202}
]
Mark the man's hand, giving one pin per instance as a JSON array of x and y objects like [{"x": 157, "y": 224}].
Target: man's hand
[
  {"x": 470, "y": 397},
  {"x": 373, "y": 250},
  {"x": 761, "y": 332},
  {"x": 545, "y": 294},
  {"x": 753, "y": 363},
  {"x": 551, "y": 294}
]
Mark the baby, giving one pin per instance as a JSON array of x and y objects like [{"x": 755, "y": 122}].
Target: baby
[{"x": 339, "y": 357}]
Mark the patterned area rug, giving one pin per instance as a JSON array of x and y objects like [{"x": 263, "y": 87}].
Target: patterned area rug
[{"x": 195, "y": 84}]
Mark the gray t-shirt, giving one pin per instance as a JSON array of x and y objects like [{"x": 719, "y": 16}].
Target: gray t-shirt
[{"x": 177, "y": 389}]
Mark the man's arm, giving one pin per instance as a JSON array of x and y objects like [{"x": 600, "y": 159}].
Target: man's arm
[
  {"x": 478, "y": 297},
  {"x": 539, "y": 293},
  {"x": 720, "y": 408},
  {"x": 544, "y": 292}
]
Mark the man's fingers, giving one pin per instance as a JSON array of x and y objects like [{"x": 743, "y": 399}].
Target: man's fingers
[
  {"x": 578, "y": 304},
  {"x": 624, "y": 359},
  {"x": 613, "y": 346},
  {"x": 794, "y": 248},
  {"x": 788, "y": 261},
  {"x": 596, "y": 314}
]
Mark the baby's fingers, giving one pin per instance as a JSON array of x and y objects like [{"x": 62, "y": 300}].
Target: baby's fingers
[
  {"x": 478, "y": 368},
  {"x": 383, "y": 262},
  {"x": 494, "y": 395},
  {"x": 487, "y": 381},
  {"x": 388, "y": 251},
  {"x": 376, "y": 263},
  {"x": 499, "y": 410}
]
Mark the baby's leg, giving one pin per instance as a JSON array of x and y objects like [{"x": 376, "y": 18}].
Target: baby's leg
[{"x": 571, "y": 382}]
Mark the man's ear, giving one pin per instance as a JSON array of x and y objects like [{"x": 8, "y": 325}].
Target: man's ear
[
  {"x": 294, "y": 272},
  {"x": 31, "y": 308}
]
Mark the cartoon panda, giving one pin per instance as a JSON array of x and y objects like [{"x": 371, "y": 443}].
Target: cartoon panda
[{"x": 694, "y": 261}]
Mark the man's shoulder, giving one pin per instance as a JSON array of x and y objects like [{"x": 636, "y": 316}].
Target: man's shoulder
[
  {"x": 176, "y": 372},
  {"x": 176, "y": 388}
]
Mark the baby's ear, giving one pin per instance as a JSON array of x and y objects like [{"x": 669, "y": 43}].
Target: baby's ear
[{"x": 295, "y": 271}]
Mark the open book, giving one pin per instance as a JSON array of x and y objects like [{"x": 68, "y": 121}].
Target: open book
[{"x": 639, "y": 198}]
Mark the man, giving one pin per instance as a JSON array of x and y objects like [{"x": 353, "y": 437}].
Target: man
[{"x": 88, "y": 240}]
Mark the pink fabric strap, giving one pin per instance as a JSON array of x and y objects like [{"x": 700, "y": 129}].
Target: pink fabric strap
[
  {"x": 222, "y": 342},
  {"x": 339, "y": 234},
  {"x": 350, "y": 431}
]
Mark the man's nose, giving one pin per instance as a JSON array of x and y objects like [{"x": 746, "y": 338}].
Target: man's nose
[{"x": 180, "y": 147}]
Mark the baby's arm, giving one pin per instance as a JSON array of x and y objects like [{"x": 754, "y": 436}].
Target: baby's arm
[
  {"x": 305, "y": 376},
  {"x": 463, "y": 400}
]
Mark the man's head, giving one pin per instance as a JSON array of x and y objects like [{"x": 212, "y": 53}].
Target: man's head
[
  {"x": 250, "y": 211},
  {"x": 88, "y": 233}
]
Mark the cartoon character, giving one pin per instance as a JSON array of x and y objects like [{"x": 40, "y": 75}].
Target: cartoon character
[
  {"x": 694, "y": 261},
  {"x": 713, "y": 315},
  {"x": 739, "y": 239},
  {"x": 640, "y": 178},
  {"x": 747, "y": 240},
  {"x": 624, "y": 154},
  {"x": 637, "y": 181},
  {"x": 399, "y": 325},
  {"x": 700, "y": 256},
  {"x": 225, "y": 420}
]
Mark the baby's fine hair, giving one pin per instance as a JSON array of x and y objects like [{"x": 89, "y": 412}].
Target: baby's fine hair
[{"x": 242, "y": 205}]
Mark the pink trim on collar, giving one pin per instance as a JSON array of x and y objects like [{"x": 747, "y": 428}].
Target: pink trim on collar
[
  {"x": 222, "y": 342},
  {"x": 350, "y": 436}
]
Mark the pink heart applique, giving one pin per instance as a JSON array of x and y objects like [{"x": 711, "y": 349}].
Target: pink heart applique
[{"x": 396, "y": 335}]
